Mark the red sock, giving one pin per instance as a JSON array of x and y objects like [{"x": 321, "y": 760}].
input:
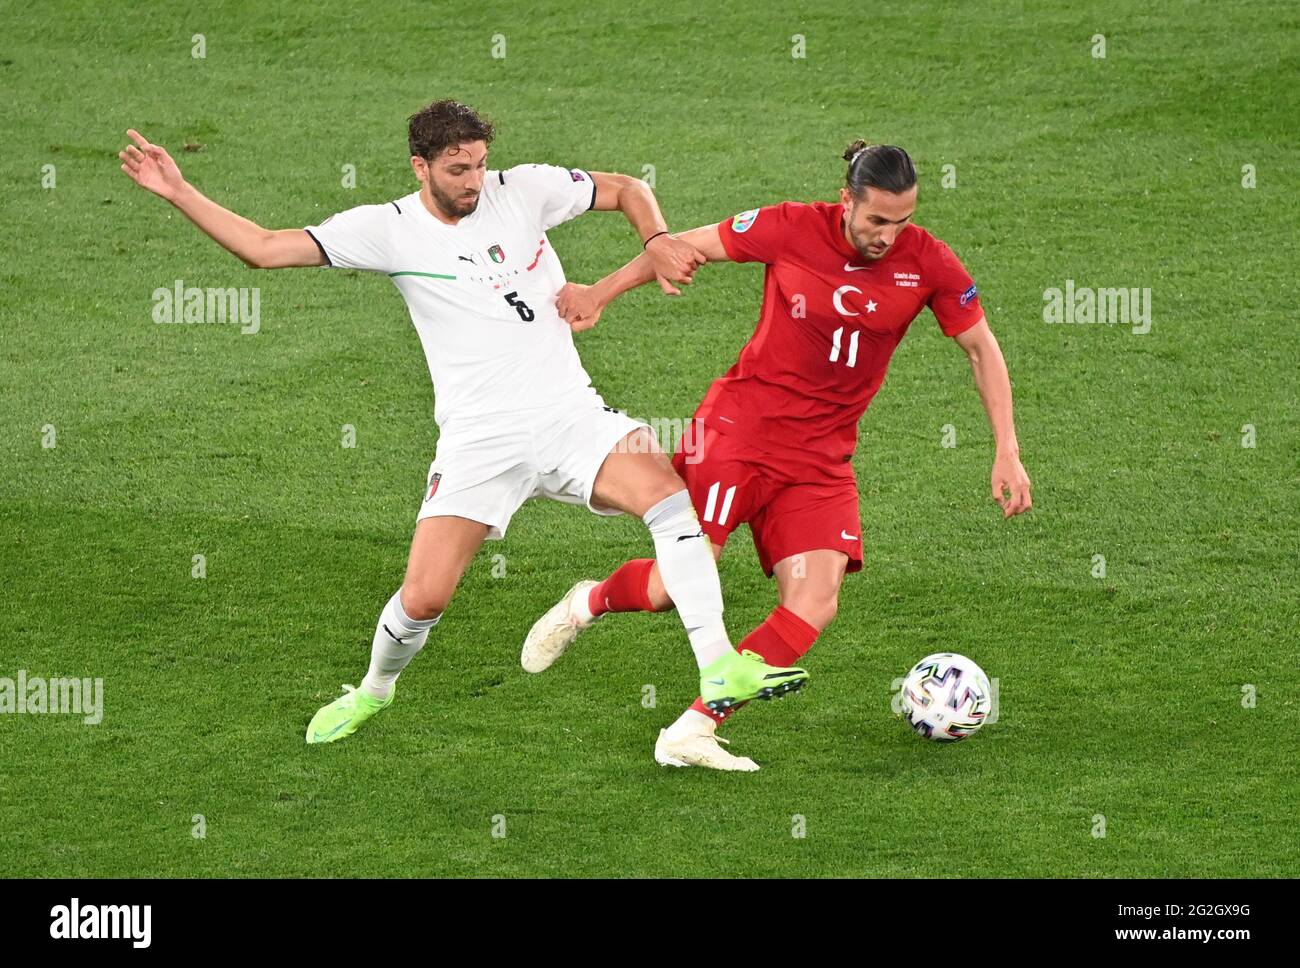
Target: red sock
[
  {"x": 626, "y": 590},
  {"x": 781, "y": 640}
]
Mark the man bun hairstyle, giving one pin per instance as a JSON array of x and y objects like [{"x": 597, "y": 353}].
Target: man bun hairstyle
[
  {"x": 445, "y": 123},
  {"x": 884, "y": 167}
]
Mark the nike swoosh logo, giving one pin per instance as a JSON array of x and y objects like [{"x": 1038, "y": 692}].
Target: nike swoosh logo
[
  {"x": 685, "y": 537},
  {"x": 849, "y": 268},
  {"x": 846, "y": 536},
  {"x": 321, "y": 736},
  {"x": 718, "y": 682}
]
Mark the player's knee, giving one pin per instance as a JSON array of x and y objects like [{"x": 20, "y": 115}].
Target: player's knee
[{"x": 423, "y": 602}]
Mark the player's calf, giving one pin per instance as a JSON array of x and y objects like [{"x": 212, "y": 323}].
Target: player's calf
[
  {"x": 808, "y": 584},
  {"x": 655, "y": 591},
  {"x": 817, "y": 608},
  {"x": 630, "y": 588}
]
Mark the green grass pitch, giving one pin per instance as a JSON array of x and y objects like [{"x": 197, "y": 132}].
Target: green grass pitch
[{"x": 1161, "y": 697}]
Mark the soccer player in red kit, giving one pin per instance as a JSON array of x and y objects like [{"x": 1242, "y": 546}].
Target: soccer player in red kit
[{"x": 843, "y": 283}]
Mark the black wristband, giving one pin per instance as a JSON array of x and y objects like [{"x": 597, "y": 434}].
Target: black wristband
[{"x": 653, "y": 237}]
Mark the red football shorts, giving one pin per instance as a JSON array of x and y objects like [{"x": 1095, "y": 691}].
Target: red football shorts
[{"x": 790, "y": 509}]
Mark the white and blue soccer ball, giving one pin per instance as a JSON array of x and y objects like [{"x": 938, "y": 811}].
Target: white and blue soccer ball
[{"x": 946, "y": 697}]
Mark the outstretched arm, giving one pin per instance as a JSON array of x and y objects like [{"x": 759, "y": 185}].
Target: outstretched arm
[
  {"x": 673, "y": 261},
  {"x": 1009, "y": 481},
  {"x": 581, "y": 306},
  {"x": 152, "y": 168}
]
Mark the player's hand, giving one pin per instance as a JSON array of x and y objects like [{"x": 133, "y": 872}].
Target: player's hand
[
  {"x": 151, "y": 167},
  {"x": 578, "y": 306},
  {"x": 674, "y": 261},
  {"x": 1011, "y": 485}
]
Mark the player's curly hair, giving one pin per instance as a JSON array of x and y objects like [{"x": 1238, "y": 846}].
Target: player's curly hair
[
  {"x": 435, "y": 128},
  {"x": 886, "y": 167}
]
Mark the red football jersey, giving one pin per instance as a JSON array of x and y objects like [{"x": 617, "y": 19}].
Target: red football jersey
[{"x": 829, "y": 324}]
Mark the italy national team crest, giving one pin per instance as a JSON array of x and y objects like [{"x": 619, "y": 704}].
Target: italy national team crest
[{"x": 496, "y": 254}]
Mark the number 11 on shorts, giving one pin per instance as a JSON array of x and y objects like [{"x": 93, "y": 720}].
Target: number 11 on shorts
[{"x": 711, "y": 502}]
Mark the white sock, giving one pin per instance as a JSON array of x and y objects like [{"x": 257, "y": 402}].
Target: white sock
[
  {"x": 397, "y": 638},
  {"x": 691, "y": 722},
  {"x": 689, "y": 574},
  {"x": 581, "y": 609}
]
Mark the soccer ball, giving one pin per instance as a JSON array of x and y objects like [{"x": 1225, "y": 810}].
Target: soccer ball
[{"x": 946, "y": 697}]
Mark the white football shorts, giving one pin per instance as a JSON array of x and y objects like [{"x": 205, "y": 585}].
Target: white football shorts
[{"x": 487, "y": 469}]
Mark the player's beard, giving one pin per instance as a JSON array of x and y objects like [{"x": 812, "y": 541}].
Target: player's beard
[
  {"x": 863, "y": 243},
  {"x": 864, "y": 247},
  {"x": 453, "y": 206}
]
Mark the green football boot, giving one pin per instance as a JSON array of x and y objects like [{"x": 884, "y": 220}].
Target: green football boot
[
  {"x": 740, "y": 676},
  {"x": 342, "y": 717}
]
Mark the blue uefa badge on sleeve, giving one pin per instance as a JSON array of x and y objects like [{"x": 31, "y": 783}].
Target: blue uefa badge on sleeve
[
  {"x": 967, "y": 296},
  {"x": 744, "y": 220}
]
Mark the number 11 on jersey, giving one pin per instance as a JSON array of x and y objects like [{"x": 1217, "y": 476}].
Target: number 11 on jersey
[{"x": 853, "y": 346}]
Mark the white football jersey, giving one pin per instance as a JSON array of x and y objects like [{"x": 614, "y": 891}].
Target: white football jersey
[{"x": 481, "y": 293}]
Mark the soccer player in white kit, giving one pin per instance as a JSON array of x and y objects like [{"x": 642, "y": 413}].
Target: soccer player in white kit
[{"x": 517, "y": 415}]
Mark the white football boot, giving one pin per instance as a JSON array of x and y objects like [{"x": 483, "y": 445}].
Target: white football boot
[
  {"x": 555, "y": 631},
  {"x": 680, "y": 745}
]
